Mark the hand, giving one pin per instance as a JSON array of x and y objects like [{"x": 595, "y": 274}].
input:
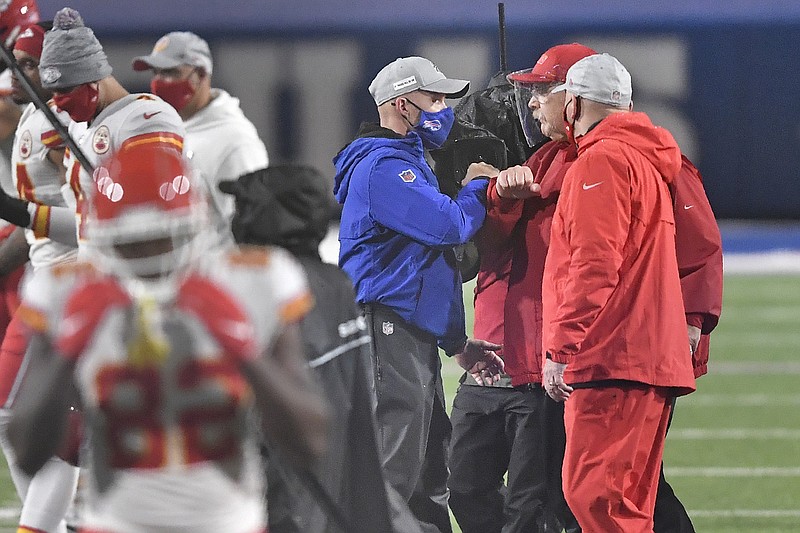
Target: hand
[
  {"x": 14, "y": 210},
  {"x": 517, "y": 182},
  {"x": 479, "y": 169},
  {"x": 553, "y": 380},
  {"x": 694, "y": 337},
  {"x": 479, "y": 359}
]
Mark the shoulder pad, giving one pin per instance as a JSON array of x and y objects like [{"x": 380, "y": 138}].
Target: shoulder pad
[
  {"x": 250, "y": 256},
  {"x": 63, "y": 270}
]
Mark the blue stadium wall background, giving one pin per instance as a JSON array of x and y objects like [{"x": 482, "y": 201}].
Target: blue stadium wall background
[{"x": 723, "y": 76}]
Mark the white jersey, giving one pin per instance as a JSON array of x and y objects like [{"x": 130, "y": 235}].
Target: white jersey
[
  {"x": 222, "y": 145},
  {"x": 132, "y": 120},
  {"x": 173, "y": 446},
  {"x": 5, "y": 161},
  {"x": 37, "y": 179}
]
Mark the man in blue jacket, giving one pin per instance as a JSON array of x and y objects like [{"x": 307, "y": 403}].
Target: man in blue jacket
[{"x": 397, "y": 236}]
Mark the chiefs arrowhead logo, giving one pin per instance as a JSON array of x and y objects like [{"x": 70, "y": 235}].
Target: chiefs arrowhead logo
[
  {"x": 25, "y": 144},
  {"x": 50, "y": 74},
  {"x": 407, "y": 175},
  {"x": 101, "y": 141}
]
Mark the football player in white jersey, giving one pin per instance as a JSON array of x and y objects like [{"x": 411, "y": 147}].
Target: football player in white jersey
[
  {"x": 74, "y": 66},
  {"x": 14, "y": 15},
  {"x": 37, "y": 158},
  {"x": 221, "y": 142},
  {"x": 173, "y": 351},
  {"x": 36, "y": 164}
]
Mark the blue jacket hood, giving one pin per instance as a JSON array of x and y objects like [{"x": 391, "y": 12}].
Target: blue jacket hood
[
  {"x": 370, "y": 137},
  {"x": 397, "y": 231}
]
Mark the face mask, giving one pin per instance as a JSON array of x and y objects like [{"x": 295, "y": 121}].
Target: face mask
[
  {"x": 570, "y": 126},
  {"x": 80, "y": 103},
  {"x": 434, "y": 127},
  {"x": 175, "y": 93}
]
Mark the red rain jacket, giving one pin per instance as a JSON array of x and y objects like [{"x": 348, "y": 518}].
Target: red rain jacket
[
  {"x": 612, "y": 302},
  {"x": 513, "y": 244},
  {"x": 699, "y": 249}
]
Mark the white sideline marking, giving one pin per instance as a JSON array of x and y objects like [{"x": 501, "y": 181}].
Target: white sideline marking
[
  {"x": 754, "y": 368},
  {"x": 776, "y": 262},
  {"x": 721, "y": 471},
  {"x": 7, "y": 513},
  {"x": 734, "y": 434},
  {"x": 739, "y": 400},
  {"x": 746, "y": 513},
  {"x": 738, "y": 368}
]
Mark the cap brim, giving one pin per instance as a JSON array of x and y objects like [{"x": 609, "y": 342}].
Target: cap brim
[
  {"x": 559, "y": 88},
  {"x": 153, "y": 61},
  {"x": 228, "y": 186},
  {"x": 449, "y": 88},
  {"x": 528, "y": 77}
]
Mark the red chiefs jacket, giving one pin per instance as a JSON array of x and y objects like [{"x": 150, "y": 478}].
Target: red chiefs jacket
[
  {"x": 699, "y": 249},
  {"x": 513, "y": 244},
  {"x": 612, "y": 303}
]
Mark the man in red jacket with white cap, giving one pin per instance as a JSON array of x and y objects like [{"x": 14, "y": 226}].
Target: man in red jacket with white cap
[
  {"x": 516, "y": 207},
  {"x": 513, "y": 244},
  {"x": 613, "y": 322}
]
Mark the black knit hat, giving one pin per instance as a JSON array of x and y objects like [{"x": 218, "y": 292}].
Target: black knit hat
[{"x": 283, "y": 205}]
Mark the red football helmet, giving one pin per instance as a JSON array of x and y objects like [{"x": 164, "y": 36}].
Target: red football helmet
[
  {"x": 147, "y": 212},
  {"x": 15, "y": 15}
]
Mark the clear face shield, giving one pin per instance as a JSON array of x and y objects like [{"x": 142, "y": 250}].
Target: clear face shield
[{"x": 523, "y": 93}]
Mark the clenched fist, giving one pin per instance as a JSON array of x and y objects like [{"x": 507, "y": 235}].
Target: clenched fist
[{"x": 517, "y": 182}]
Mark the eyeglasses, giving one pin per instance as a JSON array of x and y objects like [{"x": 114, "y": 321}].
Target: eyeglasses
[{"x": 539, "y": 91}]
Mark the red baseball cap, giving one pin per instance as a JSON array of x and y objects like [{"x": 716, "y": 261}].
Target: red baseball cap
[
  {"x": 31, "y": 40},
  {"x": 553, "y": 65}
]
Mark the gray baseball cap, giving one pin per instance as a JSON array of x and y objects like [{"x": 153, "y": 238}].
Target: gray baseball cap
[
  {"x": 407, "y": 74},
  {"x": 600, "y": 78},
  {"x": 175, "y": 49}
]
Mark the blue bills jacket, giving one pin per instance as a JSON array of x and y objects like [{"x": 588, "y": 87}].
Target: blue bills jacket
[{"x": 398, "y": 230}]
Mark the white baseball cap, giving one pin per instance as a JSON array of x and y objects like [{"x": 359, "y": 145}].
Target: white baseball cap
[
  {"x": 407, "y": 74},
  {"x": 600, "y": 78}
]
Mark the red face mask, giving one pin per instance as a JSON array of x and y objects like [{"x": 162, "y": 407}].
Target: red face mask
[
  {"x": 175, "y": 93},
  {"x": 80, "y": 103}
]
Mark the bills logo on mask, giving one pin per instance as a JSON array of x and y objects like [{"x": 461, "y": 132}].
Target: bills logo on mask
[{"x": 432, "y": 125}]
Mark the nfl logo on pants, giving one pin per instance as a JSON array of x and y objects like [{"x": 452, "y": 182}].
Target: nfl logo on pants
[{"x": 388, "y": 328}]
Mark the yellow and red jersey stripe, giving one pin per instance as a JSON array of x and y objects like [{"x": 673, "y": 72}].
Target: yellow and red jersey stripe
[
  {"x": 25, "y": 186},
  {"x": 166, "y": 138},
  {"x": 52, "y": 140}
]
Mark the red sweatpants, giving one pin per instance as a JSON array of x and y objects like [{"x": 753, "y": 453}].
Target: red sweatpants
[
  {"x": 9, "y": 298},
  {"x": 615, "y": 442}
]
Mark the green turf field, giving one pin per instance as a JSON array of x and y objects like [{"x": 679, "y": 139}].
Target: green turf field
[{"x": 733, "y": 453}]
